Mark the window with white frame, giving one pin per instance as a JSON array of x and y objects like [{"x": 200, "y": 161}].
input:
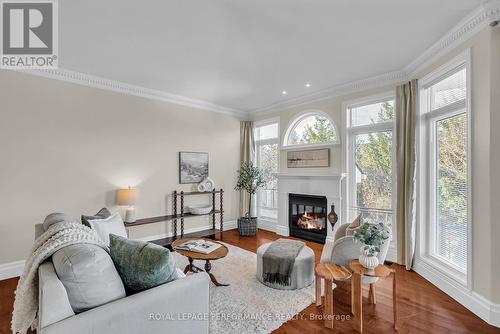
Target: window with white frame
[
  {"x": 445, "y": 148},
  {"x": 311, "y": 128},
  {"x": 267, "y": 158},
  {"x": 370, "y": 157}
]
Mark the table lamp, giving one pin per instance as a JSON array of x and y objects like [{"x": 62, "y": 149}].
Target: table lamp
[{"x": 128, "y": 197}]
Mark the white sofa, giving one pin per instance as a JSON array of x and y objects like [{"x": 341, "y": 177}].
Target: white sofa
[{"x": 181, "y": 306}]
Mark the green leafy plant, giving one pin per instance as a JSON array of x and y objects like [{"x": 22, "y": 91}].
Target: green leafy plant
[
  {"x": 372, "y": 236},
  {"x": 250, "y": 179}
]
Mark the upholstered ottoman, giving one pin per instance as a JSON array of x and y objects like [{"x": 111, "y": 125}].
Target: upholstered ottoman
[{"x": 302, "y": 273}]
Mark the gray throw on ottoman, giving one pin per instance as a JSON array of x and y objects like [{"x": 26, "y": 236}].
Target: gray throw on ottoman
[{"x": 302, "y": 274}]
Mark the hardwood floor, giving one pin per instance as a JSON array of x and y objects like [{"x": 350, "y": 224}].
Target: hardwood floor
[{"x": 422, "y": 307}]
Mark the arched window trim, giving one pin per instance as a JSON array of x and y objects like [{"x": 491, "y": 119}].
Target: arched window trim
[{"x": 298, "y": 118}]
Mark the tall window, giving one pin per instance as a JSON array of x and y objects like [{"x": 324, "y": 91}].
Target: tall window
[
  {"x": 267, "y": 142},
  {"x": 444, "y": 108},
  {"x": 311, "y": 128},
  {"x": 370, "y": 160}
]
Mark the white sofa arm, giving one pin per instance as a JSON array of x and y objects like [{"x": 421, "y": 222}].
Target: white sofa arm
[{"x": 181, "y": 306}]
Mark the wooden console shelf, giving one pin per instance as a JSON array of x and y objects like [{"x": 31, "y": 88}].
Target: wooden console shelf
[
  {"x": 159, "y": 219},
  {"x": 179, "y": 214}
]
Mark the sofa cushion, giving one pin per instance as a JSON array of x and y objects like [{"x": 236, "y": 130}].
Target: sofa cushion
[
  {"x": 113, "y": 224},
  {"x": 102, "y": 214},
  {"x": 55, "y": 218},
  {"x": 141, "y": 265},
  {"x": 89, "y": 276}
]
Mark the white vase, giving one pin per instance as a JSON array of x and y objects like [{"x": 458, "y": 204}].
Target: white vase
[{"x": 368, "y": 261}]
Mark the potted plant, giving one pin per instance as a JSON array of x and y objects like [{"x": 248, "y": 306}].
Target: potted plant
[
  {"x": 250, "y": 179},
  {"x": 373, "y": 237}
]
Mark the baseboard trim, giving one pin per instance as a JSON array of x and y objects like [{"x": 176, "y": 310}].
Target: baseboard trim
[
  {"x": 474, "y": 302},
  {"x": 268, "y": 225},
  {"x": 11, "y": 269},
  {"x": 282, "y": 230},
  {"x": 228, "y": 225}
]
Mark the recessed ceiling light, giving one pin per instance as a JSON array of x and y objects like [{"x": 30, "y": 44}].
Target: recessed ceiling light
[
  {"x": 284, "y": 92},
  {"x": 308, "y": 85}
]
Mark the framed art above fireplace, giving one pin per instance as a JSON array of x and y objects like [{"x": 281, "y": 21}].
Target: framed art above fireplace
[{"x": 308, "y": 158}]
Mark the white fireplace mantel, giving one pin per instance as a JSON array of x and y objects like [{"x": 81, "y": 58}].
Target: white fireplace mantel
[{"x": 319, "y": 184}]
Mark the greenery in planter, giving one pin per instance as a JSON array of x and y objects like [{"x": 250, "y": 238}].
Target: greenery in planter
[
  {"x": 373, "y": 236},
  {"x": 250, "y": 179}
]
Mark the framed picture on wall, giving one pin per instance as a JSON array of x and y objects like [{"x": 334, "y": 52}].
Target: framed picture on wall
[
  {"x": 308, "y": 158},
  {"x": 193, "y": 167}
]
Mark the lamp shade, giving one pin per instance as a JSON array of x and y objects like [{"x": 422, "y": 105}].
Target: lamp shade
[{"x": 127, "y": 196}]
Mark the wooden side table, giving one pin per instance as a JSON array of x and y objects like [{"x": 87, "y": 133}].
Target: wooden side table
[
  {"x": 329, "y": 272},
  {"x": 214, "y": 255},
  {"x": 358, "y": 271}
]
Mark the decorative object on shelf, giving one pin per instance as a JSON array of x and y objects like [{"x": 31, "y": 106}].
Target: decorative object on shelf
[
  {"x": 201, "y": 209},
  {"x": 250, "y": 179},
  {"x": 372, "y": 236},
  {"x": 193, "y": 167},
  {"x": 308, "y": 158},
  {"x": 206, "y": 185},
  {"x": 209, "y": 184},
  {"x": 128, "y": 197},
  {"x": 201, "y": 187},
  {"x": 332, "y": 216}
]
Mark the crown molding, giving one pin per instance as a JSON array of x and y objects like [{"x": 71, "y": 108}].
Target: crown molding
[
  {"x": 466, "y": 28},
  {"x": 124, "y": 88},
  {"x": 480, "y": 18},
  {"x": 386, "y": 79}
]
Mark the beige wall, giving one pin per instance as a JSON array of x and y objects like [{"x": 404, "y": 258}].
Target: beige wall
[
  {"x": 495, "y": 161},
  {"x": 66, "y": 147},
  {"x": 485, "y": 54}
]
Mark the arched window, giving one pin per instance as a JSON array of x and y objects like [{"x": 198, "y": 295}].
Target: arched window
[{"x": 311, "y": 128}]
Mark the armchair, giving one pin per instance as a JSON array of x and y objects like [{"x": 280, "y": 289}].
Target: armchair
[{"x": 344, "y": 249}]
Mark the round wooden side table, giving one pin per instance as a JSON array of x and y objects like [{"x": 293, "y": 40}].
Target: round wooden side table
[
  {"x": 214, "y": 255},
  {"x": 329, "y": 272},
  {"x": 358, "y": 271}
]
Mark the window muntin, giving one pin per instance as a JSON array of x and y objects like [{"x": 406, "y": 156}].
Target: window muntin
[
  {"x": 310, "y": 129},
  {"x": 267, "y": 158}
]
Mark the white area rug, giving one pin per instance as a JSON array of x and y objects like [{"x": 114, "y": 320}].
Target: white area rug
[{"x": 247, "y": 306}]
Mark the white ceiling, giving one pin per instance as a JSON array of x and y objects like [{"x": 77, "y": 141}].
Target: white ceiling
[{"x": 242, "y": 54}]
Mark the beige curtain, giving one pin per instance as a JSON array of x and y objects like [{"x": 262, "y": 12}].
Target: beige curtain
[
  {"x": 406, "y": 122},
  {"x": 247, "y": 152}
]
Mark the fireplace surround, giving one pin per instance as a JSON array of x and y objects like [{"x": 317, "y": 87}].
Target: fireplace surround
[
  {"x": 315, "y": 184},
  {"x": 307, "y": 216}
]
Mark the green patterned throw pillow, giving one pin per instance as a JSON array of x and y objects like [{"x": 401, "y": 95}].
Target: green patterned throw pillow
[{"x": 141, "y": 265}]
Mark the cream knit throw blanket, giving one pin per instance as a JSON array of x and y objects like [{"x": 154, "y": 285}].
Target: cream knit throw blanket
[{"x": 56, "y": 237}]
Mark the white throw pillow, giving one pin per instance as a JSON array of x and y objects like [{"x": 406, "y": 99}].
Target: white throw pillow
[{"x": 112, "y": 224}]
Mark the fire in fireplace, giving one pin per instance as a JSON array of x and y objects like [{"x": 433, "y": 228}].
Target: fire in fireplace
[
  {"x": 310, "y": 221},
  {"x": 307, "y": 217}
]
